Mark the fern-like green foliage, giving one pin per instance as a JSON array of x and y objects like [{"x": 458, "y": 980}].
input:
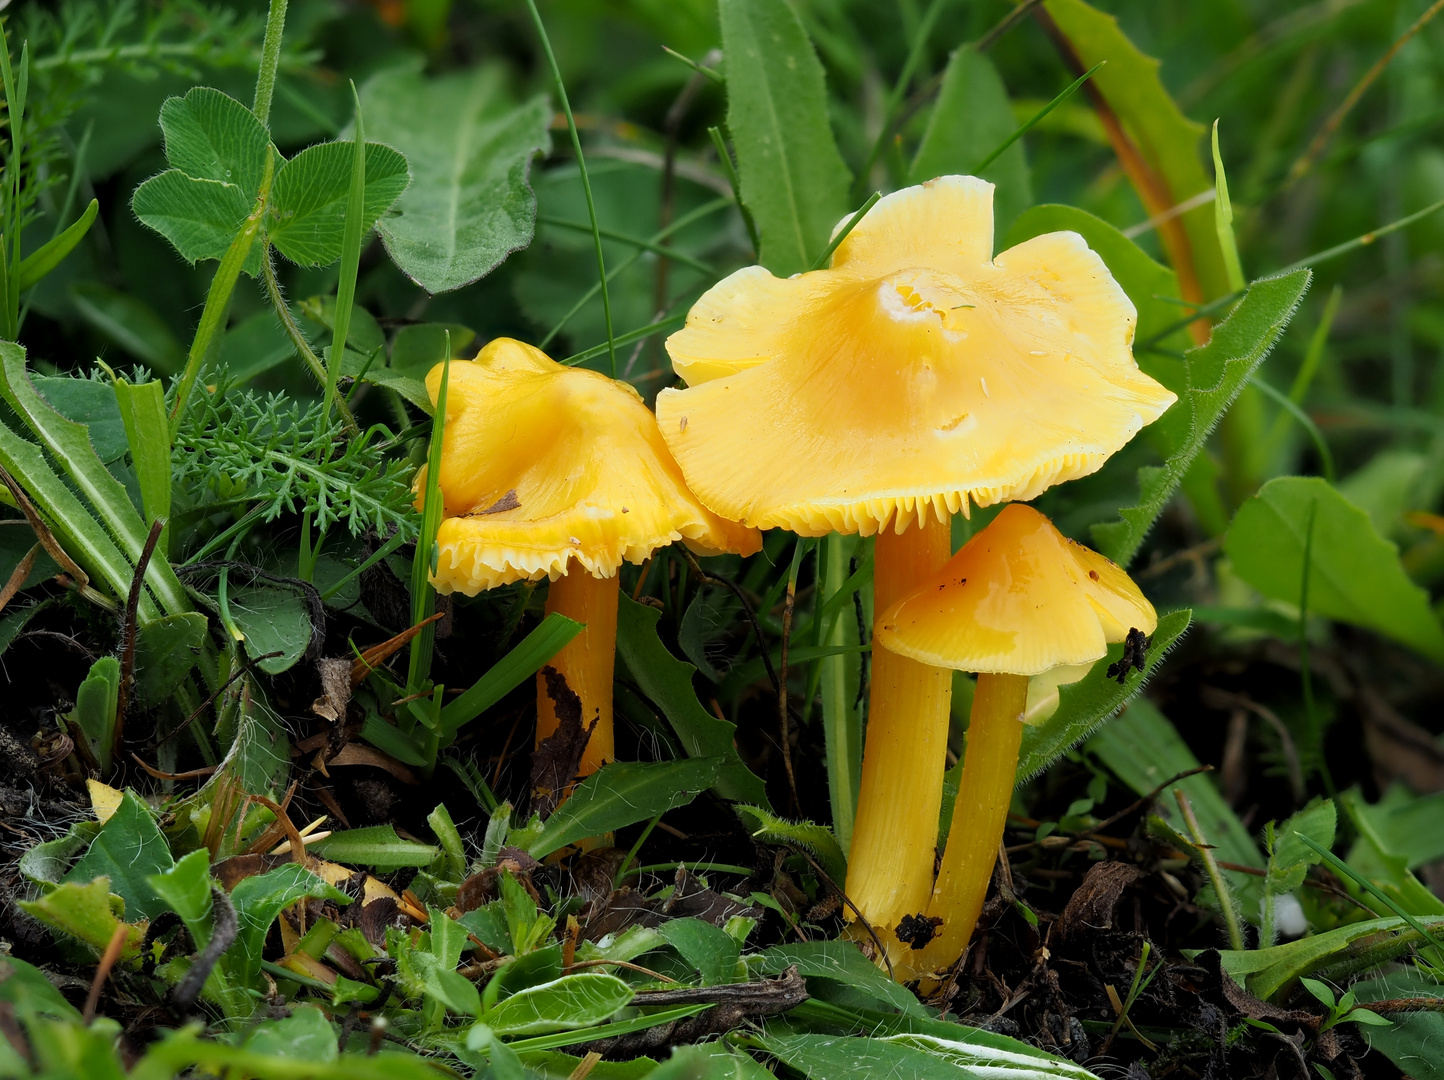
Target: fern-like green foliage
[{"x": 284, "y": 458}]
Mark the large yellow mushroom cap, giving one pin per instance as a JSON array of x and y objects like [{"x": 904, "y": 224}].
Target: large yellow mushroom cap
[
  {"x": 916, "y": 372},
  {"x": 1020, "y": 598},
  {"x": 543, "y": 463}
]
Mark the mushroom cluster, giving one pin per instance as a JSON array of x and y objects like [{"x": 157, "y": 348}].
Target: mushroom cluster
[{"x": 915, "y": 377}]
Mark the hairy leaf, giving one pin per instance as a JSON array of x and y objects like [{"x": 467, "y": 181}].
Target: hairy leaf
[
  {"x": 1213, "y": 376},
  {"x": 818, "y": 840},
  {"x": 377, "y": 846},
  {"x": 622, "y": 793},
  {"x": 793, "y": 180},
  {"x": 306, "y": 215},
  {"x": 573, "y": 1001},
  {"x": 128, "y": 850},
  {"x": 1084, "y": 705},
  {"x": 470, "y": 147}
]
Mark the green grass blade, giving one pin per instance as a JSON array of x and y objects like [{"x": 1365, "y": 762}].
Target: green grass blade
[
  {"x": 546, "y": 43},
  {"x": 350, "y": 259},
  {"x": 423, "y": 596}
]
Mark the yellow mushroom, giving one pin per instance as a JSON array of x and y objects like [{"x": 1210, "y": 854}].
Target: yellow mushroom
[
  {"x": 918, "y": 374},
  {"x": 1019, "y": 601},
  {"x": 557, "y": 472}
]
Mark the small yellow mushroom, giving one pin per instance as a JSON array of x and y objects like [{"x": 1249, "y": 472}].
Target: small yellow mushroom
[
  {"x": 557, "y": 472},
  {"x": 1020, "y": 600}
]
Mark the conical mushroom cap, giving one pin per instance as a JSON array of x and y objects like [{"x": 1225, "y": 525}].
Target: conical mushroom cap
[
  {"x": 1020, "y": 598},
  {"x": 543, "y": 463},
  {"x": 916, "y": 372}
]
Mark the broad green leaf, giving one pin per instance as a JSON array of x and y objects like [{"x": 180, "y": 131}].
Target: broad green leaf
[
  {"x": 83, "y": 911},
  {"x": 1292, "y": 857},
  {"x": 305, "y": 1035},
  {"x": 444, "y": 983},
  {"x": 1143, "y": 749},
  {"x": 35, "y": 266},
  {"x": 1380, "y": 865},
  {"x": 793, "y": 179},
  {"x": 70, "y": 444},
  {"x": 1213, "y": 376},
  {"x": 1354, "y": 574},
  {"x": 199, "y": 217},
  {"x": 182, "y": 1050},
  {"x": 818, "y": 840},
  {"x": 1167, "y": 140},
  {"x": 1149, "y": 284},
  {"x": 709, "y": 949},
  {"x": 842, "y": 962},
  {"x": 520, "y": 664},
  {"x": 1412, "y": 1041},
  {"x": 26, "y": 989},
  {"x": 573, "y": 1001},
  {"x": 186, "y": 889},
  {"x": 835, "y": 1057},
  {"x": 166, "y": 651},
  {"x": 708, "y": 1061},
  {"x": 1085, "y": 705},
  {"x": 667, "y": 682},
  {"x": 210, "y": 136},
  {"x": 1360, "y": 946},
  {"x": 130, "y": 323},
  {"x": 623, "y": 793},
  {"x": 377, "y": 846},
  {"x": 128, "y": 849},
  {"x": 306, "y": 214},
  {"x": 147, "y": 436},
  {"x": 1404, "y": 824},
  {"x": 470, "y": 148},
  {"x": 258, "y": 900},
  {"x": 92, "y": 404},
  {"x": 273, "y": 620},
  {"x": 47, "y": 863},
  {"x": 95, "y": 707},
  {"x": 971, "y": 119}
]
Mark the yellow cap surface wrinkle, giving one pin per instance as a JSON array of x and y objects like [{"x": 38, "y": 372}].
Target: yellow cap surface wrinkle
[
  {"x": 543, "y": 463},
  {"x": 917, "y": 371}
]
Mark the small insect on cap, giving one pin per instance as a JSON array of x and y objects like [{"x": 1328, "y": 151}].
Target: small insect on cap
[
  {"x": 1020, "y": 598},
  {"x": 917, "y": 372},
  {"x": 543, "y": 463}
]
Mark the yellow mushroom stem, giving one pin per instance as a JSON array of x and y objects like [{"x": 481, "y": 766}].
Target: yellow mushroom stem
[
  {"x": 586, "y": 662},
  {"x": 985, "y": 791},
  {"x": 890, "y": 865}
]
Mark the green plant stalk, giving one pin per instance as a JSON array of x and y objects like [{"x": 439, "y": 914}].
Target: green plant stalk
[
  {"x": 586, "y": 182},
  {"x": 298, "y": 339},
  {"x": 270, "y": 60},
  {"x": 1316, "y": 735},
  {"x": 632, "y": 854},
  {"x": 671, "y": 322},
  {"x": 218, "y": 297},
  {"x": 1210, "y": 866},
  {"x": 841, "y": 724},
  {"x": 350, "y": 261},
  {"x": 423, "y": 596}
]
